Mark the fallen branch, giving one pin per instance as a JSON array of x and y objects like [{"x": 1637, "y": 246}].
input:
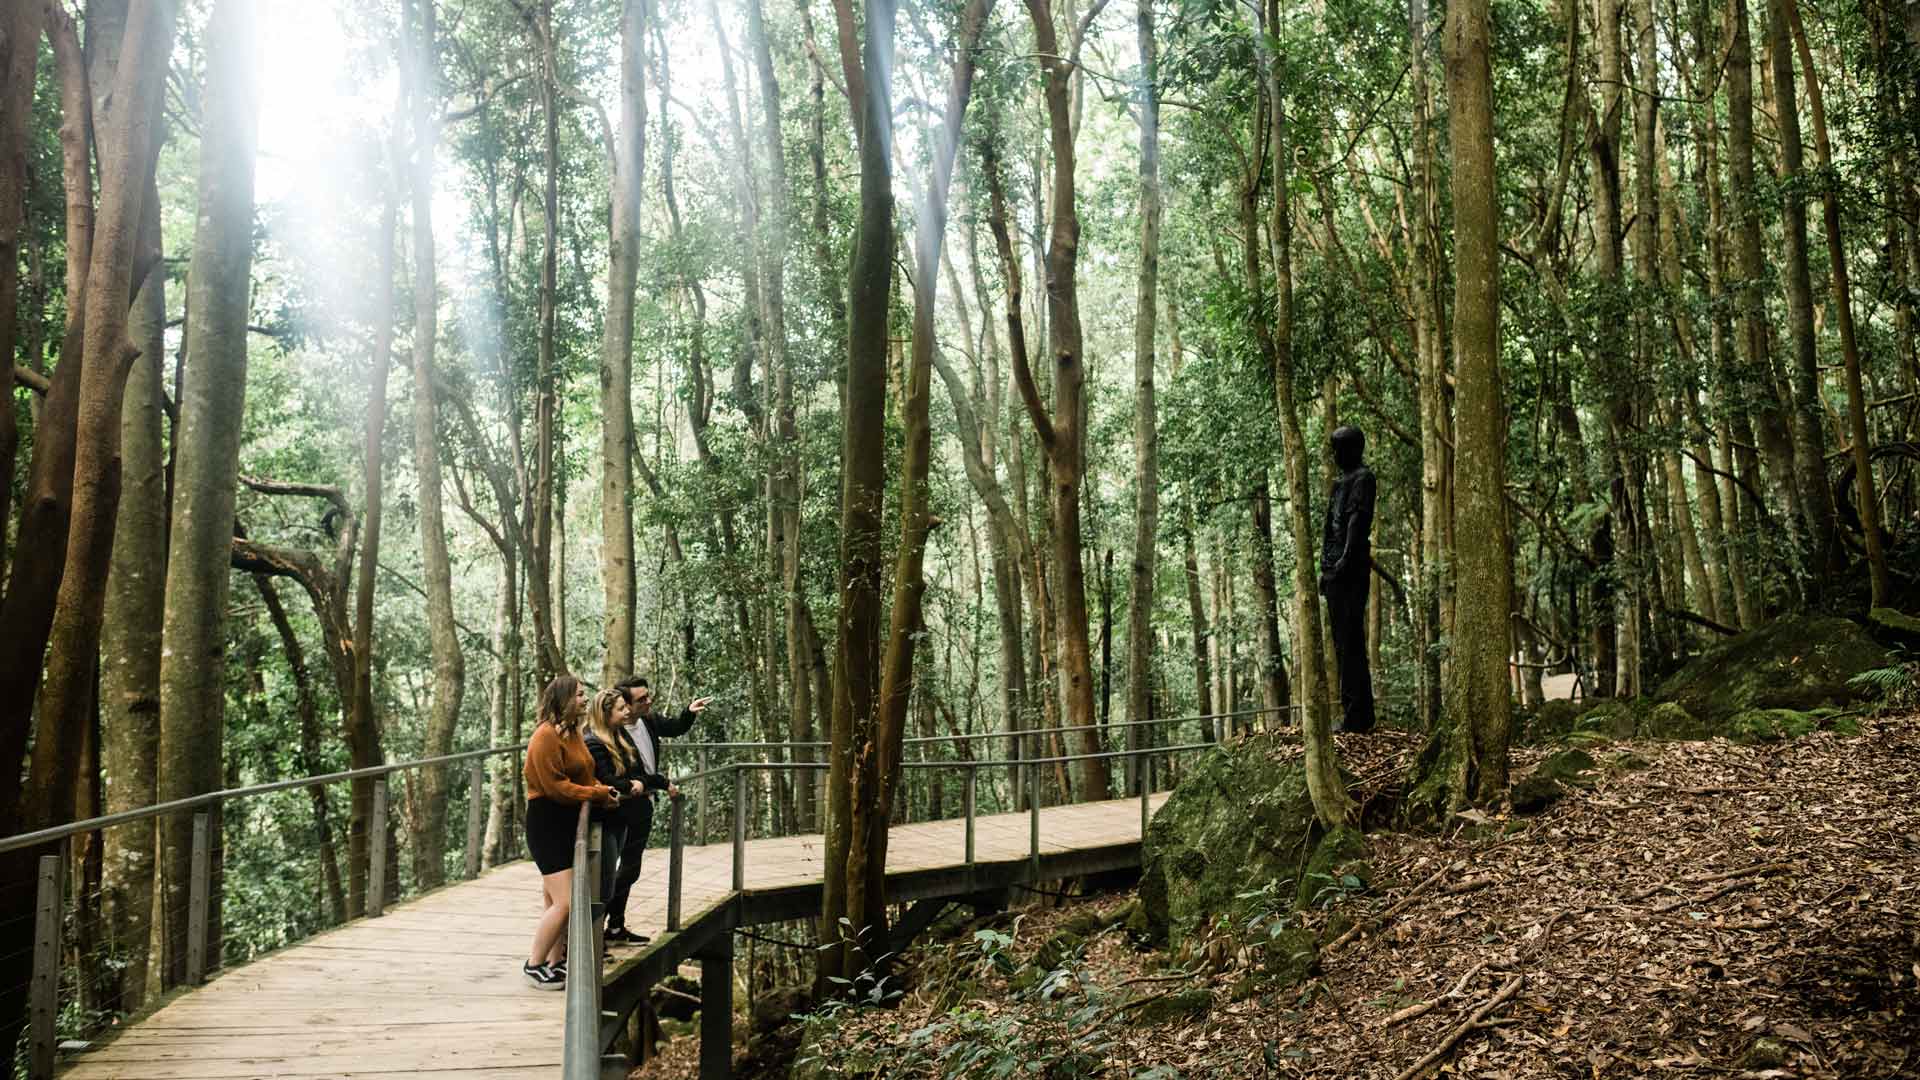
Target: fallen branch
[
  {"x": 1175, "y": 977},
  {"x": 1425, "y": 1007},
  {"x": 1469, "y": 1025},
  {"x": 1468, "y": 885},
  {"x": 1418, "y": 891},
  {"x": 1705, "y": 900},
  {"x": 1760, "y": 869}
]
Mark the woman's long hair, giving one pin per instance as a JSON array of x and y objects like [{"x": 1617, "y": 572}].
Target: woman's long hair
[
  {"x": 600, "y": 722},
  {"x": 556, "y": 704}
]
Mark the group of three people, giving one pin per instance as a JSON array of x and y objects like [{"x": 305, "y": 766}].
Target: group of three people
[{"x": 603, "y": 751}]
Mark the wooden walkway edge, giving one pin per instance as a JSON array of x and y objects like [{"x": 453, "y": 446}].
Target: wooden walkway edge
[{"x": 434, "y": 988}]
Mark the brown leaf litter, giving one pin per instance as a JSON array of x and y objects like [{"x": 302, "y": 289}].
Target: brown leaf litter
[{"x": 1703, "y": 909}]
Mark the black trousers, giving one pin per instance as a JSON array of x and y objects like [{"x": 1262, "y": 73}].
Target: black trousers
[
  {"x": 633, "y": 845},
  {"x": 1347, "y": 611}
]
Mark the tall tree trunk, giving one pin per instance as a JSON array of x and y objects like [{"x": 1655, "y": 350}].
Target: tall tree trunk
[
  {"x": 1274, "y": 691},
  {"x": 130, "y": 638},
  {"x": 333, "y": 890},
  {"x": 616, "y": 348},
  {"x": 1756, "y": 368},
  {"x": 449, "y": 664},
  {"x": 1197, "y": 612},
  {"x": 1064, "y": 435},
  {"x": 363, "y": 721},
  {"x": 1857, "y": 430},
  {"x": 194, "y": 638},
  {"x": 1479, "y": 702},
  {"x": 1435, "y": 592},
  {"x": 1618, "y": 604},
  {"x": 853, "y": 813},
  {"x": 551, "y": 661},
  {"x": 1146, "y": 431},
  {"x": 1330, "y": 802},
  {"x": 19, "y": 55},
  {"x": 1809, "y": 422}
]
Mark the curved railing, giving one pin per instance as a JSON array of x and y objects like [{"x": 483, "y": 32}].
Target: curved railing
[{"x": 52, "y": 988}]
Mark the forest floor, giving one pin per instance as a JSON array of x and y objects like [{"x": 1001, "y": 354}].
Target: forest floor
[{"x": 1703, "y": 909}]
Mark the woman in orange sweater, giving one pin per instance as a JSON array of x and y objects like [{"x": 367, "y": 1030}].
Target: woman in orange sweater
[{"x": 559, "y": 775}]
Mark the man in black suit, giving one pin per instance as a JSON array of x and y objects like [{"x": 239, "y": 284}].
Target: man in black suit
[
  {"x": 648, "y": 728},
  {"x": 1346, "y": 566}
]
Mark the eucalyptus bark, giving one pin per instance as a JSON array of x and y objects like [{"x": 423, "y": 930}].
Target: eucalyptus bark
[
  {"x": 1146, "y": 432},
  {"x": 449, "y": 663},
  {"x": 1435, "y": 592},
  {"x": 629, "y": 151},
  {"x": 1618, "y": 601},
  {"x": 854, "y": 779},
  {"x": 194, "y": 636},
  {"x": 550, "y": 660},
  {"x": 1330, "y": 802},
  {"x": 130, "y": 638},
  {"x": 907, "y": 620},
  {"x": 1479, "y": 702},
  {"x": 19, "y": 53},
  {"x": 1063, "y": 436},
  {"x": 1816, "y": 495},
  {"x": 1274, "y": 691},
  {"x": 1857, "y": 430},
  {"x": 333, "y": 890},
  {"x": 363, "y": 722}
]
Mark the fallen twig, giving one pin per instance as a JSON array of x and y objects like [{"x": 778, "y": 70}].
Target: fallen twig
[
  {"x": 1468, "y": 885},
  {"x": 1174, "y": 977},
  {"x": 1365, "y": 924},
  {"x": 1470, "y": 1024},
  {"x": 1425, "y": 1007},
  {"x": 1744, "y": 879}
]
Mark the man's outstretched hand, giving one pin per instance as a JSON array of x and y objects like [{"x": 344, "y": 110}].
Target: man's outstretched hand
[{"x": 698, "y": 705}]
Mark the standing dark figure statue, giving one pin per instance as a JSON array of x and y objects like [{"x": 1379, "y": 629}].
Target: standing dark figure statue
[{"x": 1346, "y": 564}]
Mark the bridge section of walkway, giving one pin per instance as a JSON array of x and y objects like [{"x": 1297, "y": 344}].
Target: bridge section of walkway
[{"x": 434, "y": 986}]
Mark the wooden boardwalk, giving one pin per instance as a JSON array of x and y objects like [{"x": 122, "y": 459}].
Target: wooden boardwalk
[{"x": 434, "y": 987}]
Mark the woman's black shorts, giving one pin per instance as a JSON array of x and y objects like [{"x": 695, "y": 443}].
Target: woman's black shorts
[{"x": 550, "y": 829}]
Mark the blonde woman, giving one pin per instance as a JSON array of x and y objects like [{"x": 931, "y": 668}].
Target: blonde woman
[
  {"x": 559, "y": 776},
  {"x": 616, "y": 763}
]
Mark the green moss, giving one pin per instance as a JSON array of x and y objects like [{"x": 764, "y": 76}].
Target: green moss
[
  {"x": 1288, "y": 957},
  {"x": 1240, "y": 820},
  {"x": 1671, "y": 720},
  {"x": 1775, "y": 725},
  {"x": 1548, "y": 720},
  {"x": 1567, "y": 766},
  {"x": 1180, "y": 1005},
  {"x": 1895, "y": 626},
  {"x": 1610, "y": 719},
  {"x": 1799, "y": 663},
  {"x": 1059, "y": 949},
  {"x": 1338, "y": 863}
]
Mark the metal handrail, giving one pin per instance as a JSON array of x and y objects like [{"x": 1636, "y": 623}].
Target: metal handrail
[
  {"x": 921, "y": 740},
  {"x": 580, "y": 1047},
  {"x": 196, "y": 802}
]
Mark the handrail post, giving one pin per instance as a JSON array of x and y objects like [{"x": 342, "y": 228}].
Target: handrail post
[
  {"x": 739, "y": 828},
  {"x": 973, "y": 779},
  {"x": 706, "y": 790},
  {"x": 377, "y": 851},
  {"x": 676, "y": 861},
  {"x": 1146, "y": 786},
  {"x": 42, "y": 1027},
  {"x": 197, "y": 898},
  {"x": 476, "y": 793},
  {"x": 1033, "y": 820}
]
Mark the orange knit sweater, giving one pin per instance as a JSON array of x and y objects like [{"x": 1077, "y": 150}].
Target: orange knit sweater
[{"x": 559, "y": 767}]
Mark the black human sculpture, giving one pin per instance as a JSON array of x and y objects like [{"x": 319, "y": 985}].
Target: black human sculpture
[{"x": 1346, "y": 564}]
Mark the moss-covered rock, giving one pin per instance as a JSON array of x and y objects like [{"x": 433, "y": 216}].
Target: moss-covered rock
[
  {"x": 1671, "y": 720},
  {"x": 1240, "y": 820},
  {"x": 1059, "y": 949},
  {"x": 1288, "y": 957},
  {"x": 1800, "y": 663},
  {"x": 1548, "y": 720},
  {"x": 1549, "y": 781},
  {"x": 1772, "y": 725},
  {"x": 1894, "y": 627},
  {"x": 1611, "y": 720},
  {"x": 1338, "y": 863},
  {"x": 1766, "y": 1052},
  {"x": 1180, "y": 1005},
  {"x": 1534, "y": 794}
]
